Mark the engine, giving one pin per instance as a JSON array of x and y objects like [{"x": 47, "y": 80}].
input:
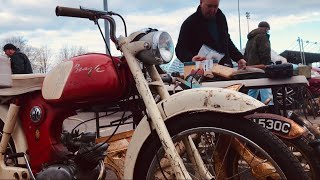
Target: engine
[{"x": 85, "y": 160}]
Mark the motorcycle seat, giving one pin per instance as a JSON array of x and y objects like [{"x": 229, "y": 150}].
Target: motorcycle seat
[{"x": 23, "y": 83}]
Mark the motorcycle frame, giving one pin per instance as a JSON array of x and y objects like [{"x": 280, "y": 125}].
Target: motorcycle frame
[{"x": 8, "y": 172}]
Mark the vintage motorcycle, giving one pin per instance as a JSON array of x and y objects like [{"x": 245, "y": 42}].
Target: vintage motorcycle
[{"x": 194, "y": 134}]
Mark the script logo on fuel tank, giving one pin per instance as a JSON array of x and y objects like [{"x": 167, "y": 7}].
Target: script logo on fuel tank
[{"x": 78, "y": 68}]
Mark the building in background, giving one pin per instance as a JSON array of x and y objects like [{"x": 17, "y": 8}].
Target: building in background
[{"x": 296, "y": 57}]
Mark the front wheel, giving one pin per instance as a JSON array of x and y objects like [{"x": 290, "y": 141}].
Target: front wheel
[{"x": 227, "y": 147}]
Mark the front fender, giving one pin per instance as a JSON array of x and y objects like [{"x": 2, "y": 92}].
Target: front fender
[
  {"x": 193, "y": 100},
  {"x": 208, "y": 99}
]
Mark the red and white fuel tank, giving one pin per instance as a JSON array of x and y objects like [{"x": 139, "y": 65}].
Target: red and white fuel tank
[{"x": 86, "y": 78}]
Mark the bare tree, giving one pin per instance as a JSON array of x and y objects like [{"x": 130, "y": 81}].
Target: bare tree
[
  {"x": 19, "y": 41},
  {"x": 42, "y": 59},
  {"x": 22, "y": 44},
  {"x": 39, "y": 57},
  {"x": 67, "y": 52}
]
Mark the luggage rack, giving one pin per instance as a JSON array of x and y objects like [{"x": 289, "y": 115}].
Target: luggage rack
[
  {"x": 132, "y": 105},
  {"x": 113, "y": 123}
]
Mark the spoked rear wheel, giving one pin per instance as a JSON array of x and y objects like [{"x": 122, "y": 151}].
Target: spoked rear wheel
[
  {"x": 227, "y": 148},
  {"x": 291, "y": 96}
]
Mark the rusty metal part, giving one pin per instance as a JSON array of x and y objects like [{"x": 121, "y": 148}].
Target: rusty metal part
[
  {"x": 235, "y": 87},
  {"x": 116, "y": 152},
  {"x": 260, "y": 168},
  {"x": 219, "y": 156}
]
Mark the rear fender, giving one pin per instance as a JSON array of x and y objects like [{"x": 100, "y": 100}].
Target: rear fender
[
  {"x": 279, "y": 125},
  {"x": 193, "y": 100}
]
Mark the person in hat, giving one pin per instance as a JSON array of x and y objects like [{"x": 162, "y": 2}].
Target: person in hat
[
  {"x": 258, "y": 49},
  {"x": 207, "y": 26},
  {"x": 20, "y": 63},
  {"x": 258, "y": 54}
]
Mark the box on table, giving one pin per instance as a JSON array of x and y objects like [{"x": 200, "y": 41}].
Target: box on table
[
  {"x": 304, "y": 70},
  {"x": 223, "y": 71},
  {"x": 206, "y": 65},
  {"x": 5, "y": 73}
]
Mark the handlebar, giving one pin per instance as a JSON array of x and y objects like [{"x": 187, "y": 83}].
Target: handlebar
[
  {"x": 89, "y": 14},
  {"x": 73, "y": 12}
]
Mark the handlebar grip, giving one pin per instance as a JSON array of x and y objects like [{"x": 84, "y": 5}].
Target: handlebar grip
[{"x": 73, "y": 12}]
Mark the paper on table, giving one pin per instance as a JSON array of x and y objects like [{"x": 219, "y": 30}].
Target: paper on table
[
  {"x": 206, "y": 65},
  {"x": 210, "y": 54},
  {"x": 212, "y": 57}
]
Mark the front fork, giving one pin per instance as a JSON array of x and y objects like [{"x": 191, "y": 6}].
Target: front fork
[
  {"x": 156, "y": 119},
  {"x": 8, "y": 172}
]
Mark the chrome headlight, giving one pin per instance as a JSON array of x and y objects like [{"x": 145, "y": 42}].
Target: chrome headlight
[{"x": 161, "y": 48}]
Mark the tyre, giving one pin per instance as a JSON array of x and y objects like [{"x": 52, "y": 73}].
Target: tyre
[
  {"x": 306, "y": 156},
  {"x": 218, "y": 139}
]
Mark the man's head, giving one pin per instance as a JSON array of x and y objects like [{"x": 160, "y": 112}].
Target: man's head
[
  {"x": 9, "y": 49},
  {"x": 264, "y": 25},
  {"x": 209, "y": 8}
]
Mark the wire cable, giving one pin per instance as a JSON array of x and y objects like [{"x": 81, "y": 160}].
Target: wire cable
[
  {"x": 113, "y": 62},
  {"x": 123, "y": 21}
]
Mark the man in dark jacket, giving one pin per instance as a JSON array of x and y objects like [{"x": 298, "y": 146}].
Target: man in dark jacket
[
  {"x": 258, "y": 54},
  {"x": 20, "y": 63},
  {"x": 207, "y": 26}
]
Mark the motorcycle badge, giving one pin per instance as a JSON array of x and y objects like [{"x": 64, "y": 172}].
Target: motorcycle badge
[
  {"x": 37, "y": 134},
  {"x": 36, "y": 114}
]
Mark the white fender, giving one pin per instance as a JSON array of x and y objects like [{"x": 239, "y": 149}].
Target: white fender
[
  {"x": 18, "y": 136},
  {"x": 200, "y": 99}
]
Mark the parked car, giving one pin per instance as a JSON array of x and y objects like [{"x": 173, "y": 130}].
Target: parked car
[{"x": 314, "y": 82}]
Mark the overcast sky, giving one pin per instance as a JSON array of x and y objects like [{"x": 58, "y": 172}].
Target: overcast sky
[{"x": 35, "y": 20}]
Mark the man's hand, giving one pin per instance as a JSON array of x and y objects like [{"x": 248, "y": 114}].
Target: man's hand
[
  {"x": 242, "y": 64},
  {"x": 198, "y": 58}
]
